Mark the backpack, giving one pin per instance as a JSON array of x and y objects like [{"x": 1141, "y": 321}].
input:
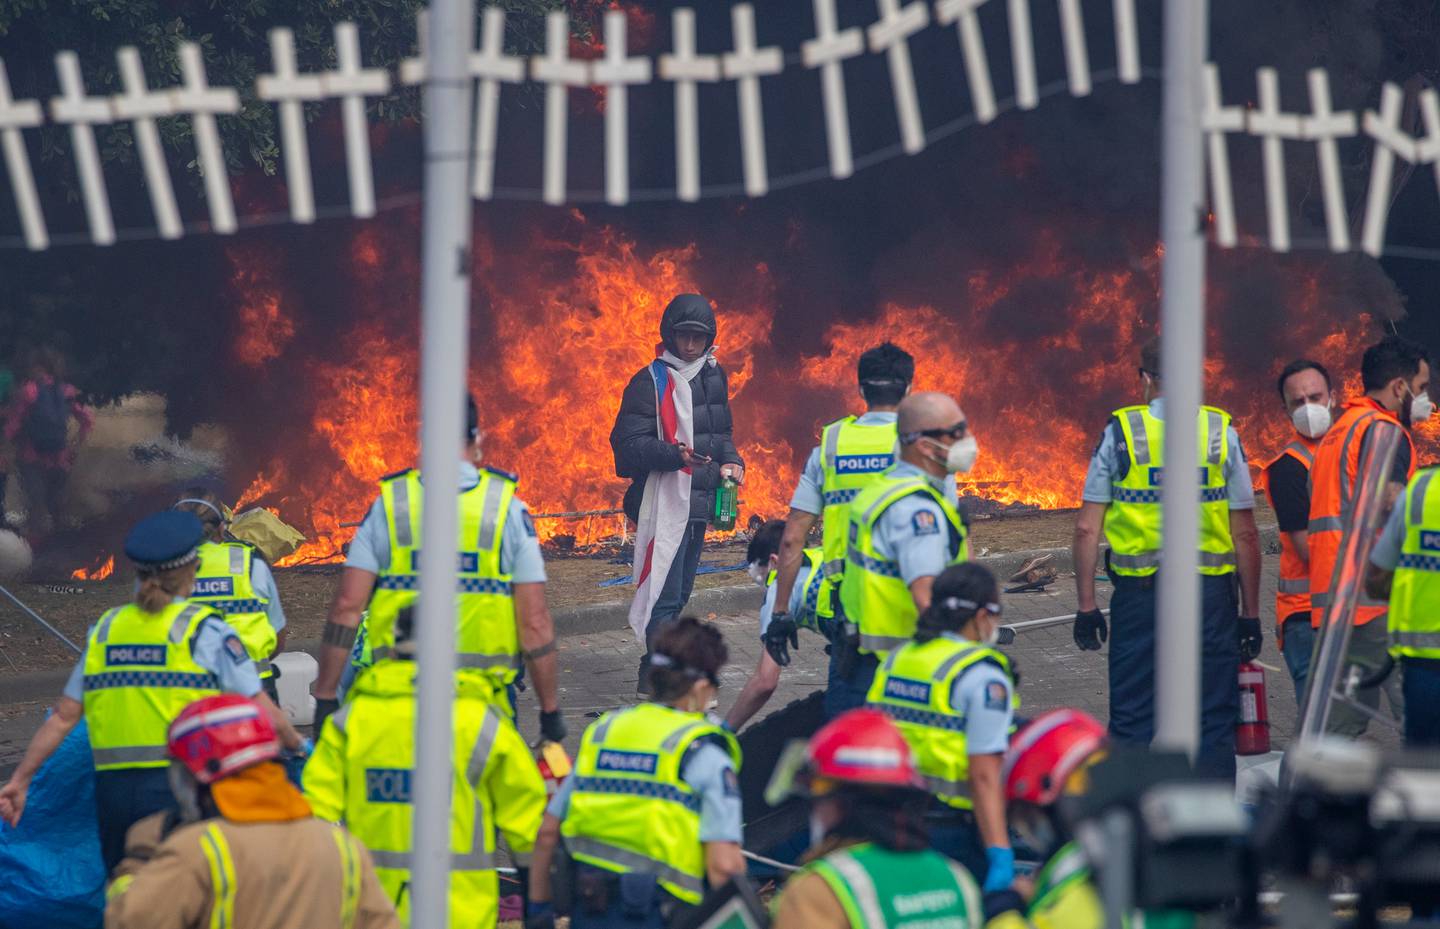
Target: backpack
[{"x": 48, "y": 419}]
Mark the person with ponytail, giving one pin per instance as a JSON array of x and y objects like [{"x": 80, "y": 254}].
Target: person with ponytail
[
  {"x": 952, "y": 695},
  {"x": 144, "y": 662},
  {"x": 234, "y": 578}
]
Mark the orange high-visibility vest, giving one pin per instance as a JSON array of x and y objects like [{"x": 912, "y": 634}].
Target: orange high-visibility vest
[
  {"x": 1292, "y": 595},
  {"x": 1332, "y": 498}
]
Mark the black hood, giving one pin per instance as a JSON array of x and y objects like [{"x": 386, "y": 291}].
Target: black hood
[{"x": 686, "y": 308}]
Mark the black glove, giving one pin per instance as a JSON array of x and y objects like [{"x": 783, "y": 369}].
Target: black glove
[
  {"x": 540, "y": 915},
  {"x": 780, "y": 636},
  {"x": 1090, "y": 630},
  {"x": 324, "y": 709},
  {"x": 1251, "y": 638},
  {"x": 552, "y": 726}
]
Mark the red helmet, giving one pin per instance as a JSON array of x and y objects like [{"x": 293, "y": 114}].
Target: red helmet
[
  {"x": 863, "y": 747},
  {"x": 1044, "y": 754},
  {"x": 216, "y": 736}
]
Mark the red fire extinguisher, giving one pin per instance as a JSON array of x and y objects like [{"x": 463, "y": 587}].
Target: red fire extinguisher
[{"x": 1252, "y": 732}]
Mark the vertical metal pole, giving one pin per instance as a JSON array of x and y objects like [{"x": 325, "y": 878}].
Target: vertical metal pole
[
  {"x": 1182, "y": 329},
  {"x": 444, "y": 334}
]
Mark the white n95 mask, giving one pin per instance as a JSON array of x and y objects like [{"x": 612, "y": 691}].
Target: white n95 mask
[
  {"x": 1421, "y": 406},
  {"x": 1311, "y": 420}
]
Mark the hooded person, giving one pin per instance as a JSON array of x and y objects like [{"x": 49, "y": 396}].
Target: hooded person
[
  {"x": 242, "y": 849},
  {"x": 673, "y": 439}
]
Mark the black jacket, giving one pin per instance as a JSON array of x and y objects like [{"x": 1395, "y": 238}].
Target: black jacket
[{"x": 636, "y": 441}]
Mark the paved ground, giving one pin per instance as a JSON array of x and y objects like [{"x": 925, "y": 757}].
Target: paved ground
[{"x": 598, "y": 670}]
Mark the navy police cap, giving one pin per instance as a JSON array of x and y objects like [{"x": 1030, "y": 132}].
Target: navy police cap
[{"x": 166, "y": 540}]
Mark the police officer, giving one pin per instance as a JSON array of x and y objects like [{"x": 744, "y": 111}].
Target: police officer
[
  {"x": 1122, "y": 494},
  {"x": 144, "y": 662},
  {"x": 871, "y": 866},
  {"x": 807, "y": 608},
  {"x": 361, "y": 771},
  {"x": 952, "y": 696},
  {"x": 233, "y": 580},
  {"x": 1405, "y": 569},
  {"x": 903, "y": 533},
  {"x": 852, "y": 453},
  {"x": 501, "y": 597},
  {"x": 1044, "y": 773},
  {"x": 652, "y": 811},
  {"x": 1305, "y": 390}
]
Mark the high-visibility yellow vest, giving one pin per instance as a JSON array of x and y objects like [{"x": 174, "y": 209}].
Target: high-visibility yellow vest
[
  {"x": 1415, "y": 592},
  {"x": 815, "y": 608},
  {"x": 852, "y": 457},
  {"x": 876, "y": 599},
  {"x": 913, "y": 686},
  {"x": 139, "y": 674},
  {"x": 631, "y": 811},
  {"x": 222, "y": 582},
  {"x": 1132, "y": 521},
  {"x": 487, "y": 637},
  {"x": 377, "y": 728}
]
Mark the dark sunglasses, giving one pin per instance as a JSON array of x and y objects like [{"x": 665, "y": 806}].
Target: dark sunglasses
[{"x": 956, "y": 431}]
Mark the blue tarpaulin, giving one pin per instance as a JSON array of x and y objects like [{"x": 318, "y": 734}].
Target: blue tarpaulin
[{"x": 52, "y": 874}]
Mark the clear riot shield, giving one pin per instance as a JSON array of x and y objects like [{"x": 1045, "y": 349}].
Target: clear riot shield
[{"x": 1363, "y": 513}]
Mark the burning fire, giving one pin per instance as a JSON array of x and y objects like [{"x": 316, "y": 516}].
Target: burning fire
[
  {"x": 96, "y": 573},
  {"x": 568, "y": 326}
]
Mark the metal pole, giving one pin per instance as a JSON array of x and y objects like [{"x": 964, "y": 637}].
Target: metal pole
[
  {"x": 444, "y": 333},
  {"x": 1182, "y": 329},
  {"x": 37, "y": 617}
]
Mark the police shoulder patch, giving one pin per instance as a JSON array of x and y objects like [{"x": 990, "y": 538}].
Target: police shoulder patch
[
  {"x": 236, "y": 649},
  {"x": 997, "y": 697},
  {"x": 527, "y": 522},
  {"x": 925, "y": 523},
  {"x": 732, "y": 783}
]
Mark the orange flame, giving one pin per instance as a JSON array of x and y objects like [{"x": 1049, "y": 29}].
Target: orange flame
[{"x": 97, "y": 573}]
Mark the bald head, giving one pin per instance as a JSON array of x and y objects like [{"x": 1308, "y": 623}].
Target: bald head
[{"x": 928, "y": 410}]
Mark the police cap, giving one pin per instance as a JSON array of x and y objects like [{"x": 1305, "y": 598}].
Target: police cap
[{"x": 165, "y": 540}]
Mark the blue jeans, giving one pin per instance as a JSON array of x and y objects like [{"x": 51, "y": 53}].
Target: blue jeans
[
  {"x": 1132, "y": 669},
  {"x": 844, "y": 693},
  {"x": 955, "y": 835},
  {"x": 1422, "y": 702},
  {"x": 123, "y": 798},
  {"x": 1298, "y": 647},
  {"x": 679, "y": 582}
]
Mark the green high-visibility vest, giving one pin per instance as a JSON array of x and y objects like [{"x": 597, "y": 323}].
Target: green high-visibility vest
[
  {"x": 1132, "y": 521},
  {"x": 883, "y": 889},
  {"x": 1415, "y": 592}
]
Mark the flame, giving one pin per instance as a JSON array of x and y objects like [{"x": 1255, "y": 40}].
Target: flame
[
  {"x": 1038, "y": 351},
  {"x": 264, "y": 328},
  {"x": 96, "y": 573}
]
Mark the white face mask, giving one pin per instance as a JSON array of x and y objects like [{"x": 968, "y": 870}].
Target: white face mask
[
  {"x": 757, "y": 572},
  {"x": 993, "y": 636},
  {"x": 961, "y": 456},
  {"x": 817, "y": 830},
  {"x": 1311, "y": 420},
  {"x": 1421, "y": 407}
]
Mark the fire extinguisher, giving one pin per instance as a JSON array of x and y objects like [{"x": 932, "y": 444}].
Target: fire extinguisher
[{"x": 1252, "y": 731}]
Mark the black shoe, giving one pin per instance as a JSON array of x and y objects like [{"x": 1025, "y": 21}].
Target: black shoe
[{"x": 642, "y": 683}]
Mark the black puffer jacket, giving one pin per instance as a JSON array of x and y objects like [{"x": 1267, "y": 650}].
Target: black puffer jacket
[{"x": 636, "y": 440}]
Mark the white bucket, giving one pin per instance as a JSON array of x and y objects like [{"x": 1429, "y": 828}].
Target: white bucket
[{"x": 297, "y": 672}]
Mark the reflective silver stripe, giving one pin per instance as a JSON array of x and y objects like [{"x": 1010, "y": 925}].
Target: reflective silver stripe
[
  {"x": 490, "y": 515},
  {"x": 940, "y": 785},
  {"x": 1215, "y": 436},
  {"x": 1068, "y": 865},
  {"x": 862, "y": 888},
  {"x": 1139, "y": 438},
  {"x": 890, "y": 659},
  {"x": 903, "y": 489},
  {"x": 633, "y": 861},
  {"x": 1326, "y": 524},
  {"x": 882, "y": 643},
  {"x": 1216, "y": 559},
  {"x": 1321, "y": 599},
  {"x": 1299, "y": 585},
  {"x": 484, "y": 742},
  {"x": 675, "y": 738},
  {"x": 1142, "y": 560},
  {"x": 237, "y": 560},
  {"x": 1303, "y": 451},
  {"x": 1416, "y": 639},
  {"x": 483, "y": 661},
  {"x": 949, "y": 664},
  {"x": 401, "y": 515},
  {"x": 1344, "y": 457},
  {"x": 834, "y": 568},
  {"x": 102, "y": 629},
  {"x": 262, "y": 666},
  {"x": 182, "y": 622},
  {"x": 381, "y": 651},
  {"x": 341, "y": 716},
  {"x": 602, "y": 728},
  {"x": 130, "y": 754},
  {"x": 1417, "y": 498},
  {"x": 832, "y": 445},
  {"x": 477, "y": 859}
]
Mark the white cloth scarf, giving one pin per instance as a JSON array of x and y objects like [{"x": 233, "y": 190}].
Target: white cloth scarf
[{"x": 665, "y": 506}]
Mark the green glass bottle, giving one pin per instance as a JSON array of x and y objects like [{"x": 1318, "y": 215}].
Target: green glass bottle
[{"x": 727, "y": 504}]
